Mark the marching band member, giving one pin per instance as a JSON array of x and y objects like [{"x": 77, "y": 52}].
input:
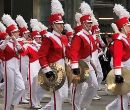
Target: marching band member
[
  {"x": 34, "y": 66},
  {"x": 24, "y": 59},
  {"x": 69, "y": 32},
  {"x": 82, "y": 47},
  {"x": 96, "y": 34},
  {"x": 53, "y": 51},
  {"x": 78, "y": 26},
  {"x": 3, "y": 35},
  {"x": 14, "y": 84},
  {"x": 120, "y": 51}
]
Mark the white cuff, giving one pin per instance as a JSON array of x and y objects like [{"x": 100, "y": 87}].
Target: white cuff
[
  {"x": 46, "y": 69},
  {"x": 74, "y": 65},
  {"x": 117, "y": 71}
]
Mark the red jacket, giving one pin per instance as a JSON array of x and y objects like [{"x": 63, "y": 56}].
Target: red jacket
[
  {"x": 3, "y": 35},
  {"x": 10, "y": 51},
  {"x": 81, "y": 47},
  {"x": 51, "y": 50},
  {"x": 2, "y": 57},
  {"x": 120, "y": 50},
  {"x": 32, "y": 54}
]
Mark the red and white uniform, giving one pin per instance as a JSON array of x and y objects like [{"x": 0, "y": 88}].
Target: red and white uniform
[
  {"x": 14, "y": 85},
  {"x": 120, "y": 51},
  {"x": 120, "y": 44},
  {"x": 82, "y": 47},
  {"x": 34, "y": 67},
  {"x": 1, "y": 63},
  {"x": 53, "y": 51},
  {"x": 24, "y": 65},
  {"x": 95, "y": 59}
]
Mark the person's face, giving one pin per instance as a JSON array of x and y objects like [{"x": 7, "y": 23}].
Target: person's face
[
  {"x": 109, "y": 40},
  {"x": 97, "y": 33},
  {"x": 26, "y": 35},
  {"x": 87, "y": 25},
  {"x": 38, "y": 40},
  {"x": 16, "y": 34},
  {"x": 127, "y": 28},
  {"x": 70, "y": 38},
  {"x": 58, "y": 27}
]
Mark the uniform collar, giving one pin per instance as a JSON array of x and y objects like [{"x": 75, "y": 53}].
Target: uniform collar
[
  {"x": 56, "y": 33},
  {"x": 86, "y": 32}
]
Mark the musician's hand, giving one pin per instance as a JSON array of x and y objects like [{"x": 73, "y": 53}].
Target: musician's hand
[
  {"x": 76, "y": 71},
  {"x": 7, "y": 37},
  {"x": 50, "y": 75},
  {"x": 13, "y": 38},
  {"x": 119, "y": 79}
]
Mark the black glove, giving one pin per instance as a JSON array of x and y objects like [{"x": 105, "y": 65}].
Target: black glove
[
  {"x": 119, "y": 79},
  {"x": 50, "y": 74},
  {"x": 76, "y": 71}
]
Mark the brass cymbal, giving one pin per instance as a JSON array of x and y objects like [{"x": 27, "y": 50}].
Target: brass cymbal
[
  {"x": 57, "y": 83},
  {"x": 76, "y": 79},
  {"x": 119, "y": 89}
]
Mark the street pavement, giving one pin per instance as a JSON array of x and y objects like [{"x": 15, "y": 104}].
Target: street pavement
[{"x": 96, "y": 104}]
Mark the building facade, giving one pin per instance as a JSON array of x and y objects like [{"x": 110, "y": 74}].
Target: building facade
[{"x": 40, "y": 9}]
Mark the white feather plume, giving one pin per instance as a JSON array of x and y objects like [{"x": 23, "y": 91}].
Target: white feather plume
[
  {"x": 36, "y": 28},
  {"x": 2, "y": 27},
  {"x": 68, "y": 28},
  {"x": 7, "y": 20},
  {"x": 21, "y": 22},
  {"x": 42, "y": 26},
  {"x": 115, "y": 28},
  {"x": 85, "y": 8},
  {"x": 56, "y": 7},
  {"x": 34, "y": 22},
  {"x": 120, "y": 11},
  {"x": 94, "y": 20},
  {"x": 77, "y": 17}
]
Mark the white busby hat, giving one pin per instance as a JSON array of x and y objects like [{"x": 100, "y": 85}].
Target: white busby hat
[
  {"x": 123, "y": 15},
  {"x": 95, "y": 25},
  {"x": 2, "y": 27},
  {"x": 43, "y": 29},
  {"x": 57, "y": 12},
  {"x": 86, "y": 12},
  {"x": 22, "y": 25},
  {"x": 35, "y": 28},
  {"x": 10, "y": 23},
  {"x": 69, "y": 30}
]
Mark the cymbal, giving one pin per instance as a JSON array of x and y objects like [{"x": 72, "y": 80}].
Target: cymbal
[
  {"x": 52, "y": 84},
  {"x": 119, "y": 89}
]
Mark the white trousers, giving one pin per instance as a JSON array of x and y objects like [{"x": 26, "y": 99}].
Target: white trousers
[
  {"x": 34, "y": 68},
  {"x": 82, "y": 96},
  {"x": 24, "y": 66},
  {"x": 1, "y": 75},
  {"x": 96, "y": 62},
  {"x": 120, "y": 101},
  {"x": 58, "y": 96},
  {"x": 14, "y": 84},
  {"x": 1, "y": 70}
]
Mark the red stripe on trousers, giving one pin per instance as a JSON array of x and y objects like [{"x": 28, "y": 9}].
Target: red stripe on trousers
[
  {"x": 54, "y": 100},
  {"x": 5, "y": 86},
  {"x": 20, "y": 70},
  {"x": 74, "y": 91},
  {"x": 29, "y": 78},
  {"x": 122, "y": 103}
]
